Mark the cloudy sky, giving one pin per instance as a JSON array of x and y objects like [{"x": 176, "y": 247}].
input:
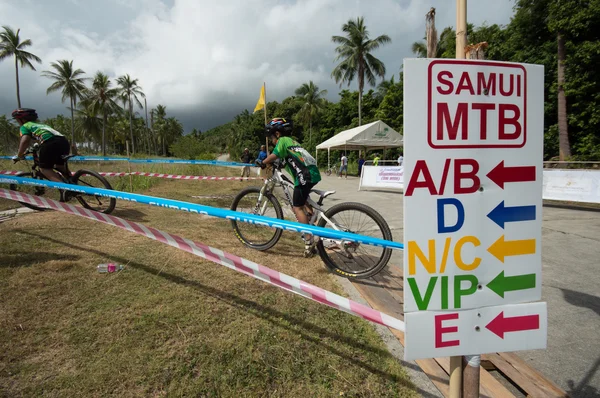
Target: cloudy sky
[{"x": 205, "y": 59}]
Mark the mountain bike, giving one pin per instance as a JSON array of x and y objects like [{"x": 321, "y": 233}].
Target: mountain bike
[
  {"x": 333, "y": 169},
  {"x": 86, "y": 178},
  {"x": 350, "y": 259}
]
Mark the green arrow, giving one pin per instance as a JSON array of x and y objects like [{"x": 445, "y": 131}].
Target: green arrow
[{"x": 501, "y": 284}]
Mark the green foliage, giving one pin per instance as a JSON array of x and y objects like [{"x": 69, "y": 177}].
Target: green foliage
[
  {"x": 9, "y": 136},
  {"x": 190, "y": 147}
]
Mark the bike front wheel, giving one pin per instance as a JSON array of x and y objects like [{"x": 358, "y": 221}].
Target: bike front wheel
[
  {"x": 258, "y": 237},
  {"x": 352, "y": 259},
  {"x": 46, "y": 192},
  {"x": 97, "y": 203}
]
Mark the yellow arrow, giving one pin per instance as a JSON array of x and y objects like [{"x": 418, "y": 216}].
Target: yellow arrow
[{"x": 502, "y": 248}]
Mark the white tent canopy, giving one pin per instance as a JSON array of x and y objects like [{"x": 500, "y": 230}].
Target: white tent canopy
[{"x": 376, "y": 135}]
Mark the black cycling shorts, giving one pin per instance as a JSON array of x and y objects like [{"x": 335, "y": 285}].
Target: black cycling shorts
[
  {"x": 52, "y": 151},
  {"x": 301, "y": 192}
]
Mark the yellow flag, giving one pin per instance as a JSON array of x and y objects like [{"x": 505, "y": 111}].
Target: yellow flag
[{"x": 261, "y": 100}]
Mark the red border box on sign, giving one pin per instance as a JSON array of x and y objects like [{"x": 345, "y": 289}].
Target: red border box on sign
[{"x": 430, "y": 114}]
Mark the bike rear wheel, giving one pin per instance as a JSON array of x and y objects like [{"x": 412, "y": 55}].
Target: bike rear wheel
[
  {"x": 46, "y": 192},
  {"x": 258, "y": 237},
  {"x": 97, "y": 203},
  {"x": 351, "y": 259}
]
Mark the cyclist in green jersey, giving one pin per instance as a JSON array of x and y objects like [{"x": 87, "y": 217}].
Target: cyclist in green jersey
[
  {"x": 53, "y": 145},
  {"x": 299, "y": 163}
]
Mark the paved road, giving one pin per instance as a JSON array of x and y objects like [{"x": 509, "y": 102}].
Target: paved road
[{"x": 571, "y": 285}]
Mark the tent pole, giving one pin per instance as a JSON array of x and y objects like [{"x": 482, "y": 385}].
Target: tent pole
[{"x": 328, "y": 158}]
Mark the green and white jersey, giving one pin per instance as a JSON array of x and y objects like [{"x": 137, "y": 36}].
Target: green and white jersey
[
  {"x": 39, "y": 131},
  {"x": 298, "y": 162}
]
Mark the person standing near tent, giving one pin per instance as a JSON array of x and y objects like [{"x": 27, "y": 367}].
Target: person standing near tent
[
  {"x": 376, "y": 160},
  {"x": 343, "y": 165},
  {"x": 361, "y": 161},
  {"x": 246, "y": 158},
  {"x": 262, "y": 155},
  {"x": 400, "y": 160}
]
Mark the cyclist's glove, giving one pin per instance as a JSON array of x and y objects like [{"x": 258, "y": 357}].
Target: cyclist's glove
[
  {"x": 260, "y": 164},
  {"x": 16, "y": 158}
]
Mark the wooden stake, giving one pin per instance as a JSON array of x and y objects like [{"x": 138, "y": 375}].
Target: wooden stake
[
  {"x": 470, "y": 377},
  {"x": 129, "y": 168},
  {"x": 265, "y": 108}
]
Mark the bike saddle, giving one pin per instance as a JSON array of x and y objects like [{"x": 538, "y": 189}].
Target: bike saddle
[{"x": 322, "y": 195}]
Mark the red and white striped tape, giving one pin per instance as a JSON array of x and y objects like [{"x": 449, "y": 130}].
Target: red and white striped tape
[
  {"x": 139, "y": 173},
  {"x": 228, "y": 260},
  {"x": 183, "y": 177}
]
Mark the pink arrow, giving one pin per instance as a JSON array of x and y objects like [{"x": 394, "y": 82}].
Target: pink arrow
[{"x": 500, "y": 325}]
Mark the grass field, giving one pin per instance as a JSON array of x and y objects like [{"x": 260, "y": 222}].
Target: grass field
[{"x": 170, "y": 323}]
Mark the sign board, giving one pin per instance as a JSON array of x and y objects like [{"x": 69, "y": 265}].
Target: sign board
[
  {"x": 382, "y": 177},
  {"x": 470, "y": 332},
  {"x": 572, "y": 185},
  {"x": 472, "y": 189}
]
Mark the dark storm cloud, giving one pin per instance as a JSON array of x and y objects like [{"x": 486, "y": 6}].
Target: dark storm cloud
[{"x": 206, "y": 60}]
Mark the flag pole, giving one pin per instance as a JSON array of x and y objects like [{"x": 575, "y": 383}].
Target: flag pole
[{"x": 265, "y": 108}]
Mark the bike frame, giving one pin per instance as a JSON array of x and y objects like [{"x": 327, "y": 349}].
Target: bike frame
[{"x": 280, "y": 180}]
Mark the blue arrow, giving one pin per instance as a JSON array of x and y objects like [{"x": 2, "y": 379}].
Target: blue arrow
[{"x": 502, "y": 214}]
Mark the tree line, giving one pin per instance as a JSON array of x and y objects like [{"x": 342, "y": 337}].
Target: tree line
[
  {"x": 101, "y": 112},
  {"x": 563, "y": 36}
]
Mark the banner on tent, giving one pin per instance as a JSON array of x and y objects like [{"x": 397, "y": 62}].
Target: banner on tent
[{"x": 382, "y": 177}]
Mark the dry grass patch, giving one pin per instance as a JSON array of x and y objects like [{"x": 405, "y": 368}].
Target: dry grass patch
[{"x": 172, "y": 323}]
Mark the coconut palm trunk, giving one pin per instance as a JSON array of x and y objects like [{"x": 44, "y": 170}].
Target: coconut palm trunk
[
  {"x": 131, "y": 126},
  {"x": 564, "y": 147},
  {"x": 73, "y": 128},
  {"x": 104, "y": 119},
  {"x": 17, "y": 77},
  {"x": 361, "y": 86}
]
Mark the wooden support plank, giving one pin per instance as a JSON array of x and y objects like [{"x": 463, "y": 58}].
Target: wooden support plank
[
  {"x": 392, "y": 284},
  {"x": 380, "y": 299},
  {"x": 525, "y": 376}
]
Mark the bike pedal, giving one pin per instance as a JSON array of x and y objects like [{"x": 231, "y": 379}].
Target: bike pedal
[{"x": 310, "y": 251}]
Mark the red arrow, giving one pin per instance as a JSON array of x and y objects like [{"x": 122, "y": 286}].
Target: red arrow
[
  {"x": 500, "y": 325},
  {"x": 501, "y": 174}
]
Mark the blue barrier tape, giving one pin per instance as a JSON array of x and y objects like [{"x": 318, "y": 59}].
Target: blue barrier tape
[
  {"x": 10, "y": 157},
  {"x": 168, "y": 161},
  {"x": 210, "y": 211},
  {"x": 96, "y": 158}
]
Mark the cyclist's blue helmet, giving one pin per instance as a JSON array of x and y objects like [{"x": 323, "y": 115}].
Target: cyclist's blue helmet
[{"x": 280, "y": 124}]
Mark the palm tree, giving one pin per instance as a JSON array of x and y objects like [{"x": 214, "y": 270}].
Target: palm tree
[
  {"x": 101, "y": 98},
  {"x": 313, "y": 104},
  {"x": 72, "y": 85},
  {"x": 383, "y": 88},
  {"x": 357, "y": 61},
  {"x": 89, "y": 125},
  {"x": 158, "y": 119},
  {"x": 11, "y": 44},
  {"x": 130, "y": 90}
]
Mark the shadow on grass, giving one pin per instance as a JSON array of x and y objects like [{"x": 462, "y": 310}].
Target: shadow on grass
[
  {"x": 27, "y": 259},
  {"x": 270, "y": 314},
  {"x": 129, "y": 214}
]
